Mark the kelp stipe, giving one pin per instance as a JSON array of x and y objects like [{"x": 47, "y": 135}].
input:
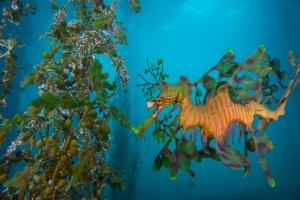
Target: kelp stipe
[
  {"x": 124, "y": 154},
  {"x": 232, "y": 99},
  {"x": 63, "y": 137}
]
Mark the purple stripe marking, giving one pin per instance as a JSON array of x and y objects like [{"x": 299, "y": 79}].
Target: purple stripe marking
[
  {"x": 184, "y": 109},
  {"x": 235, "y": 112},
  {"x": 199, "y": 113},
  {"x": 204, "y": 118},
  {"x": 187, "y": 119},
  {"x": 220, "y": 115},
  {"x": 195, "y": 116},
  {"x": 217, "y": 131},
  {"x": 240, "y": 117},
  {"x": 212, "y": 110},
  {"x": 222, "y": 105}
]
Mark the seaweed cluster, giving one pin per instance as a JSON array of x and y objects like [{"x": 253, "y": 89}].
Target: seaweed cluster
[
  {"x": 257, "y": 80},
  {"x": 63, "y": 136},
  {"x": 12, "y": 13}
]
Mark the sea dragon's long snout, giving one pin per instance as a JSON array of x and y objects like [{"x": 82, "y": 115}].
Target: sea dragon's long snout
[{"x": 140, "y": 129}]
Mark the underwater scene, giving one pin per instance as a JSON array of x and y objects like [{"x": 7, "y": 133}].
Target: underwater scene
[{"x": 160, "y": 99}]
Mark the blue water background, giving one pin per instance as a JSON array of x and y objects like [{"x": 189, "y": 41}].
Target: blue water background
[{"x": 191, "y": 36}]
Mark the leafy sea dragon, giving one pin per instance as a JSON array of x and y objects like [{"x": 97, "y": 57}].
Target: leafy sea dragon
[{"x": 226, "y": 103}]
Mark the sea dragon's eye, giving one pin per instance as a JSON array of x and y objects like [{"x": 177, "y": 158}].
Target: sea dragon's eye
[{"x": 159, "y": 101}]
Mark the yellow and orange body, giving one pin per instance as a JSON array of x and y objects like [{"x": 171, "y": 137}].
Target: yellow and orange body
[{"x": 220, "y": 111}]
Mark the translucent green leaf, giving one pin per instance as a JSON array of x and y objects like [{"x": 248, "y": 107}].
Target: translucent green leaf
[
  {"x": 190, "y": 147},
  {"x": 262, "y": 125},
  {"x": 264, "y": 144},
  {"x": 249, "y": 83},
  {"x": 253, "y": 63},
  {"x": 159, "y": 61},
  {"x": 224, "y": 68},
  {"x": 183, "y": 161},
  {"x": 231, "y": 157},
  {"x": 265, "y": 71},
  {"x": 198, "y": 93},
  {"x": 28, "y": 80},
  {"x": 266, "y": 169},
  {"x": 225, "y": 65},
  {"x": 271, "y": 181},
  {"x": 232, "y": 91},
  {"x": 67, "y": 101},
  {"x": 209, "y": 82},
  {"x": 249, "y": 97},
  {"x": 157, "y": 163},
  {"x": 275, "y": 64},
  {"x": 229, "y": 55},
  {"x": 213, "y": 154},
  {"x": 63, "y": 26},
  {"x": 166, "y": 156},
  {"x": 250, "y": 145},
  {"x": 165, "y": 161},
  {"x": 83, "y": 166},
  {"x": 16, "y": 119},
  {"x": 291, "y": 58},
  {"x": 173, "y": 169},
  {"x": 96, "y": 73},
  {"x": 48, "y": 101},
  {"x": 21, "y": 179},
  {"x": 228, "y": 69},
  {"x": 5, "y": 128},
  {"x": 2, "y": 137}
]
